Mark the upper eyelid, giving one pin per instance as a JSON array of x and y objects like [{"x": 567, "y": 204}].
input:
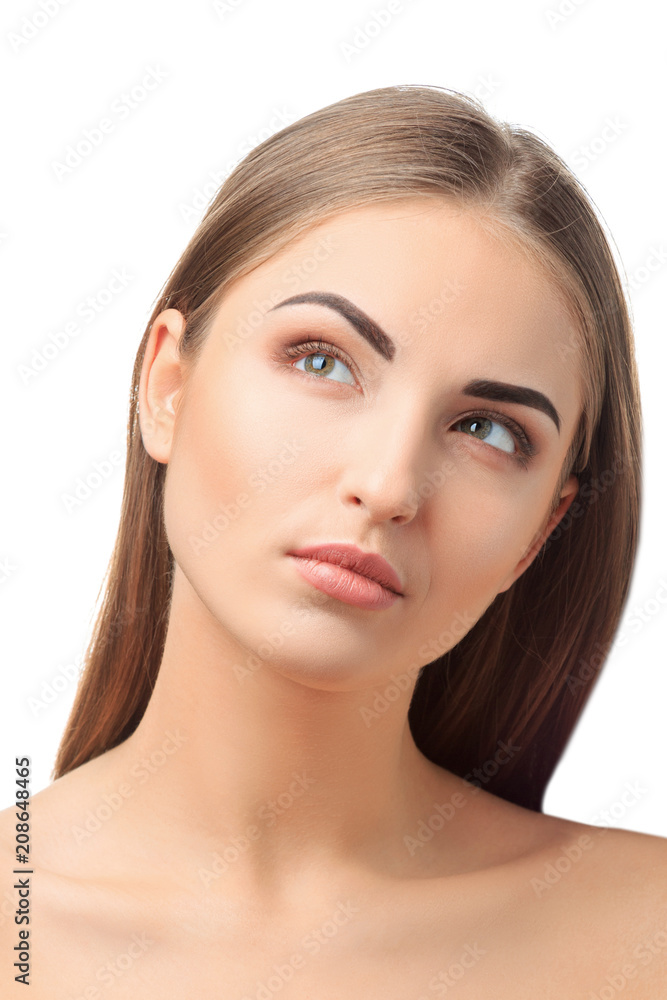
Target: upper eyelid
[{"x": 524, "y": 439}]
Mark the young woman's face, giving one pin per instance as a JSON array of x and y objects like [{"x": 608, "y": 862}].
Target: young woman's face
[{"x": 279, "y": 444}]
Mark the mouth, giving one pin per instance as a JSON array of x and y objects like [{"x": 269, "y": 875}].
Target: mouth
[{"x": 343, "y": 571}]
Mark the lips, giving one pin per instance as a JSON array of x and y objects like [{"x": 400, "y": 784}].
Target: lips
[{"x": 368, "y": 564}]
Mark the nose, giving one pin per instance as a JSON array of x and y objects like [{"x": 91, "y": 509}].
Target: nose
[{"x": 386, "y": 464}]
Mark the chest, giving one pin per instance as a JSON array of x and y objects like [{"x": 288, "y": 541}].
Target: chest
[{"x": 352, "y": 949}]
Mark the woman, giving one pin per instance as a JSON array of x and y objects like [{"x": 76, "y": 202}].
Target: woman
[{"x": 341, "y": 645}]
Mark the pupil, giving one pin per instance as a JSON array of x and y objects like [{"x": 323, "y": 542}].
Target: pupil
[
  {"x": 478, "y": 423},
  {"x": 318, "y": 362}
]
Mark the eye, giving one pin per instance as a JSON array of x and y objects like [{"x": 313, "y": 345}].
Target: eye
[
  {"x": 502, "y": 433},
  {"x": 324, "y": 359}
]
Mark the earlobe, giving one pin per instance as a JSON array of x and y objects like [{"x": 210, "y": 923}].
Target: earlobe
[
  {"x": 568, "y": 493},
  {"x": 160, "y": 382}
]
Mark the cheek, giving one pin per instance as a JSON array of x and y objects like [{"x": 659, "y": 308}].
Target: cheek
[
  {"x": 480, "y": 542},
  {"x": 233, "y": 467}
]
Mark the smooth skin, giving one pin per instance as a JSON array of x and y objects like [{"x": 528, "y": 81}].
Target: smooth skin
[{"x": 260, "y": 829}]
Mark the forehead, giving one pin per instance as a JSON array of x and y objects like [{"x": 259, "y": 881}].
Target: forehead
[{"x": 434, "y": 275}]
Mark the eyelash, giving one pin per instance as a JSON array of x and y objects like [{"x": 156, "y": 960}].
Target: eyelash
[{"x": 525, "y": 450}]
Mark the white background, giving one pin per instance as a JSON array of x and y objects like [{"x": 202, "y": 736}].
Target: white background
[{"x": 224, "y": 77}]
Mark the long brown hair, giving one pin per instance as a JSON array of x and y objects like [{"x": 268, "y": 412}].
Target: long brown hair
[{"x": 519, "y": 679}]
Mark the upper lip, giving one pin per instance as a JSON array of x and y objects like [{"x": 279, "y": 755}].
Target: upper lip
[{"x": 368, "y": 564}]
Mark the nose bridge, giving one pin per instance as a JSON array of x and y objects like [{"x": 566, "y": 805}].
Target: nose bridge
[{"x": 387, "y": 460}]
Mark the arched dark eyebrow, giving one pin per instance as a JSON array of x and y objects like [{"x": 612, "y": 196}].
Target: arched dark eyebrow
[
  {"x": 362, "y": 323},
  {"x": 480, "y": 388}
]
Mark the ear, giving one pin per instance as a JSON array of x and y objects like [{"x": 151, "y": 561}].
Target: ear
[
  {"x": 568, "y": 493},
  {"x": 160, "y": 382}
]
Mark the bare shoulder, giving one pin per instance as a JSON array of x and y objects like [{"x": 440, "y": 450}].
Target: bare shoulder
[
  {"x": 604, "y": 890},
  {"x": 621, "y": 862}
]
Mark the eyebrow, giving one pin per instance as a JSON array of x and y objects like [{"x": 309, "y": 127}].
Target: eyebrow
[{"x": 481, "y": 388}]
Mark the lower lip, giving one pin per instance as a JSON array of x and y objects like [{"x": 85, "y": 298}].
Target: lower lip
[{"x": 344, "y": 584}]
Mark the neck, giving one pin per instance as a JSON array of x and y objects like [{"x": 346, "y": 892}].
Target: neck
[{"x": 279, "y": 774}]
